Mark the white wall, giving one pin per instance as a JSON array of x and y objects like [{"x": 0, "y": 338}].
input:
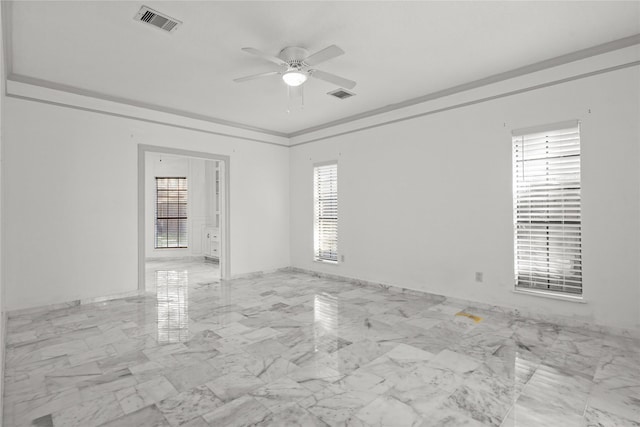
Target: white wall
[
  {"x": 2, "y": 300},
  {"x": 71, "y": 201},
  {"x": 3, "y": 325},
  {"x": 70, "y": 194},
  {"x": 198, "y": 201},
  {"x": 425, "y": 203}
]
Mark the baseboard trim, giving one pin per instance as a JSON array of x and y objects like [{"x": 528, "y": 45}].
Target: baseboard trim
[
  {"x": 3, "y": 351},
  {"x": 260, "y": 273},
  {"x": 176, "y": 258},
  {"x": 560, "y": 320},
  {"x": 511, "y": 311},
  {"x": 73, "y": 303},
  {"x": 84, "y": 301}
]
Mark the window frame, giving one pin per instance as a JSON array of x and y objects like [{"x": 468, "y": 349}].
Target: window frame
[
  {"x": 318, "y": 244},
  {"x": 179, "y": 218},
  {"x": 560, "y": 211}
]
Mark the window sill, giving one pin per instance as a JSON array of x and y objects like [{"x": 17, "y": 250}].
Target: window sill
[
  {"x": 170, "y": 249},
  {"x": 322, "y": 261},
  {"x": 551, "y": 295}
]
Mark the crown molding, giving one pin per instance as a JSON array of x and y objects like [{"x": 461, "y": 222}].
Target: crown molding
[
  {"x": 7, "y": 44},
  {"x": 517, "y": 72},
  {"x": 363, "y": 126},
  {"x": 142, "y": 119},
  {"x": 102, "y": 96},
  {"x": 35, "y": 93},
  {"x": 468, "y": 103},
  {"x": 200, "y": 122}
]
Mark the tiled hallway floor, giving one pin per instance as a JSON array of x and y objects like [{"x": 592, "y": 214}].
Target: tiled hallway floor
[
  {"x": 198, "y": 272},
  {"x": 291, "y": 349}
]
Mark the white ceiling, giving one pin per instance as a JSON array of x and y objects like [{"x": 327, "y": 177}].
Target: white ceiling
[{"x": 396, "y": 51}]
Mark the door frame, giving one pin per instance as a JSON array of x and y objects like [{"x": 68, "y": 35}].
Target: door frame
[{"x": 225, "y": 259}]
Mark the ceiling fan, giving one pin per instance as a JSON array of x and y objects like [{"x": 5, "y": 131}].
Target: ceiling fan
[{"x": 296, "y": 67}]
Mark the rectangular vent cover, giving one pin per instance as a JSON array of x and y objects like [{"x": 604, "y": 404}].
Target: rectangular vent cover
[
  {"x": 341, "y": 93},
  {"x": 157, "y": 19}
]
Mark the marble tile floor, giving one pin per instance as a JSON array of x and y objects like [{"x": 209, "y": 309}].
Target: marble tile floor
[
  {"x": 290, "y": 349},
  {"x": 200, "y": 271}
]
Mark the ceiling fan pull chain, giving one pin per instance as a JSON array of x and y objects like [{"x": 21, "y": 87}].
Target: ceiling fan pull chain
[{"x": 295, "y": 98}]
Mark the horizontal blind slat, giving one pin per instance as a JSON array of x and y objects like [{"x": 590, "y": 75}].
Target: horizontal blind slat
[
  {"x": 326, "y": 212},
  {"x": 547, "y": 210},
  {"x": 171, "y": 212}
]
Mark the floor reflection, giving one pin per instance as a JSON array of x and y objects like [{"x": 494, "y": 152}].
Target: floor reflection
[
  {"x": 281, "y": 349},
  {"x": 173, "y": 306},
  {"x": 325, "y": 325},
  {"x": 549, "y": 395}
]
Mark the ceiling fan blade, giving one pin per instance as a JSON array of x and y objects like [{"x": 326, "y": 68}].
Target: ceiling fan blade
[
  {"x": 263, "y": 55},
  {"x": 256, "y": 76},
  {"x": 332, "y": 78},
  {"x": 324, "y": 55}
]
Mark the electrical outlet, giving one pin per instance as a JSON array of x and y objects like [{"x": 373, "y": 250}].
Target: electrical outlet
[
  {"x": 479, "y": 277},
  {"x": 341, "y": 258}
]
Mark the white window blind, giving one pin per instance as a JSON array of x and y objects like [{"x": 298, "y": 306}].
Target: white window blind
[
  {"x": 547, "y": 217},
  {"x": 171, "y": 213},
  {"x": 325, "y": 200}
]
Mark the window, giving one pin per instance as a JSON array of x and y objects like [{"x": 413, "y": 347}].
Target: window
[
  {"x": 325, "y": 201},
  {"x": 547, "y": 217},
  {"x": 171, "y": 213}
]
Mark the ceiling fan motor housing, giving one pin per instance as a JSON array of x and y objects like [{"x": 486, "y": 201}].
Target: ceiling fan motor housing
[
  {"x": 296, "y": 63},
  {"x": 294, "y": 56}
]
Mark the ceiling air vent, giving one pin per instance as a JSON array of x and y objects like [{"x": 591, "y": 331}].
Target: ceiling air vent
[
  {"x": 157, "y": 19},
  {"x": 341, "y": 93}
]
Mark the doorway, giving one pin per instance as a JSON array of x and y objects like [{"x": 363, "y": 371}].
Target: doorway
[{"x": 183, "y": 211}]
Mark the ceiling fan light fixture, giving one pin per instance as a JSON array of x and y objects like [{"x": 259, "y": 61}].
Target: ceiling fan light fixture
[{"x": 294, "y": 77}]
